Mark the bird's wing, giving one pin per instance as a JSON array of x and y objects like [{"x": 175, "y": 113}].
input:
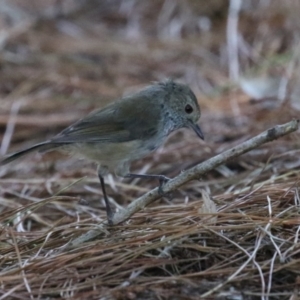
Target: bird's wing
[{"x": 124, "y": 121}]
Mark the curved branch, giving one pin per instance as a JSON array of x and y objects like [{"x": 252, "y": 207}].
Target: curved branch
[{"x": 204, "y": 167}]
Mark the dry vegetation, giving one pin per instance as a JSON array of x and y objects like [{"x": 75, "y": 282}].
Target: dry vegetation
[{"x": 58, "y": 61}]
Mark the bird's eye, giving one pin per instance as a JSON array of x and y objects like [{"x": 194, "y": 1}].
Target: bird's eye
[{"x": 188, "y": 109}]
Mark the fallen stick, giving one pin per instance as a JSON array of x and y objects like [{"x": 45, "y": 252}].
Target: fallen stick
[
  {"x": 195, "y": 173},
  {"x": 204, "y": 167}
]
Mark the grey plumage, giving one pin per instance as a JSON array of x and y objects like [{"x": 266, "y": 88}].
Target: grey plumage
[{"x": 127, "y": 129}]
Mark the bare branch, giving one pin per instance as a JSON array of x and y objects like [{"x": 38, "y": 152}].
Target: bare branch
[
  {"x": 202, "y": 168},
  {"x": 191, "y": 174}
]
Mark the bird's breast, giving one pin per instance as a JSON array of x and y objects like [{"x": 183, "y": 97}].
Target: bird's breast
[{"x": 106, "y": 152}]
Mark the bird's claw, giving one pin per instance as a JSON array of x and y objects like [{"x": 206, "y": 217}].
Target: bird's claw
[{"x": 162, "y": 181}]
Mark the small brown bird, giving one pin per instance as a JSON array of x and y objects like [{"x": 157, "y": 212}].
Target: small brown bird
[{"x": 126, "y": 130}]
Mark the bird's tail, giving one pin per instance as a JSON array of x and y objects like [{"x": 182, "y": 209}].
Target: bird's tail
[{"x": 41, "y": 147}]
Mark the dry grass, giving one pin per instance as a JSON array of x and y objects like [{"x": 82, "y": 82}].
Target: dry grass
[{"x": 53, "y": 71}]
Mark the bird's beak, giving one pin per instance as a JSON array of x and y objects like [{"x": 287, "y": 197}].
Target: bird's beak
[{"x": 198, "y": 130}]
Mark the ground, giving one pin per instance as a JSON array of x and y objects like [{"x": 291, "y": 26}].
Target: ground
[{"x": 59, "y": 61}]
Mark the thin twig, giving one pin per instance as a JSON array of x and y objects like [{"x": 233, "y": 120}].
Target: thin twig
[
  {"x": 208, "y": 165},
  {"x": 10, "y": 127},
  {"x": 238, "y": 271},
  {"x": 194, "y": 173},
  {"x": 233, "y": 38}
]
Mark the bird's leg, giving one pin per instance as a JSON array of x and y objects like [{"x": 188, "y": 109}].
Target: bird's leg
[
  {"x": 161, "y": 178},
  {"x": 109, "y": 211}
]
